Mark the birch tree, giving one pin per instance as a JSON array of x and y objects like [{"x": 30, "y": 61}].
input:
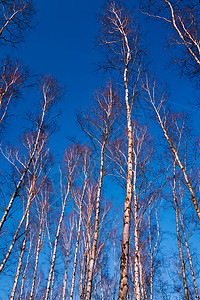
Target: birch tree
[
  {"x": 13, "y": 79},
  {"x": 71, "y": 160},
  {"x": 145, "y": 189},
  {"x": 67, "y": 236},
  {"x": 185, "y": 228},
  {"x": 182, "y": 18},
  {"x": 16, "y": 17},
  {"x": 51, "y": 92},
  {"x": 120, "y": 40},
  {"x": 36, "y": 182},
  {"x": 158, "y": 105},
  {"x": 41, "y": 210},
  {"x": 99, "y": 129},
  {"x": 79, "y": 196}
]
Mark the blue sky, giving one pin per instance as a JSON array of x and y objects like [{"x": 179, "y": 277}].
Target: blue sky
[{"x": 63, "y": 45}]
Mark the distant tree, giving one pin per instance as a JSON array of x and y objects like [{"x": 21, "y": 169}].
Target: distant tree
[
  {"x": 99, "y": 126},
  {"x": 71, "y": 161},
  {"x": 37, "y": 178},
  {"x": 173, "y": 129},
  {"x": 41, "y": 213},
  {"x": 29, "y": 166},
  {"x": 182, "y": 18},
  {"x": 15, "y": 18},
  {"x": 185, "y": 228},
  {"x": 51, "y": 92},
  {"x": 13, "y": 79}
]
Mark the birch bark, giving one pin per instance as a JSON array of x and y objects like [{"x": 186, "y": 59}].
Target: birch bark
[
  {"x": 78, "y": 232},
  {"x": 179, "y": 239},
  {"x": 20, "y": 259},
  {"x": 36, "y": 259},
  {"x": 38, "y": 135},
  {"x": 173, "y": 149},
  {"x": 121, "y": 41},
  {"x": 56, "y": 244},
  {"x": 98, "y": 198}
]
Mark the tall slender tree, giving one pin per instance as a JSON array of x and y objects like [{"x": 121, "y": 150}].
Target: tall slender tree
[{"x": 120, "y": 40}]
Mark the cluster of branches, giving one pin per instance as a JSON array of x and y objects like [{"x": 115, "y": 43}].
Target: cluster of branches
[{"x": 65, "y": 239}]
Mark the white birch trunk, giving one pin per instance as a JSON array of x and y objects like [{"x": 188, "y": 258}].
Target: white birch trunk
[
  {"x": 66, "y": 266},
  {"x": 20, "y": 259},
  {"x": 25, "y": 270},
  {"x": 52, "y": 284},
  {"x": 17, "y": 231},
  {"x": 65, "y": 279},
  {"x": 142, "y": 284},
  {"x": 179, "y": 239},
  {"x": 36, "y": 263},
  {"x": 55, "y": 246},
  {"x": 21, "y": 181},
  {"x": 136, "y": 233},
  {"x": 174, "y": 151},
  {"x": 84, "y": 271},
  {"x": 76, "y": 254},
  {"x": 108, "y": 110},
  {"x": 78, "y": 237},
  {"x": 123, "y": 289},
  {"x": 123, "y": 286},
  {"x": 96, "y": 232},
  {"x": 189, "y": 258}
]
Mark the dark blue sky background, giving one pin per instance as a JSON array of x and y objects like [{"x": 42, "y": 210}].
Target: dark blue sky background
[{"x": 63, "y": 45}]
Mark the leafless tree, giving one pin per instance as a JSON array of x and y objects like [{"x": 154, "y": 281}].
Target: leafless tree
[
  {"x": 41, "y": 210},
  {"x": 183, "y": 19},
  {"x": 145, "y": 191},
  {"x": 119, "y": 38},
  {"x": 16, "y": 17},
  {"x": 79, "y": 196},
  {"x": 13, "y": 79},
  {"x": 69, "y": 158},
  {"x": 51, "y": 92},
  {"x": 67, "y": 235},
  {"x": 179, "y": 238},
  {"x": 185, "y": 228},
  {"x": 173, "y": 133},
  {"x": 36, "y": 181},
  {"x": 34, "y": 186},
  {"x": 99, "y": 125}
]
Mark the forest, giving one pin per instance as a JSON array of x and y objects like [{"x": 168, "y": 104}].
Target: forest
[{"x": 117, "y": 216}]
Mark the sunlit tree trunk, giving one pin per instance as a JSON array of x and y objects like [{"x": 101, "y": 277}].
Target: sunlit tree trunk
[
  {"x": 123, "y": 57},
  {"x": 173, "y": 149},
  {"x": 20, "y": 258},
  {"x": 136, "y": 232},
  {"x": 96, "y": 232},
  {"x": 179, "y": 239},
  {"x": 69, "y": 244},
  {"x": 48, "y": 99},
  {"x": 186, "y": 243},
  {"x": 105, "y": 105},
  {"x": 79, "y": 204},
  {"x": 142, "y": 283},
  {"x": 55, "y": 245},
  {"x": 36, "y": 260},
  {"x": 30, "y": 199},
  {"x": 152, "y": 249},
  {"x": 25, "y": 270}
]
